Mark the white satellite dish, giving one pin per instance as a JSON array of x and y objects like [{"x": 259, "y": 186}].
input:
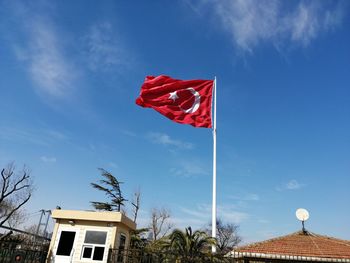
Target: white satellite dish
[{"x": 302, "y": 214}]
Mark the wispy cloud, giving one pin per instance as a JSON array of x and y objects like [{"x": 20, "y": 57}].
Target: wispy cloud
[
  {"x": 41, "y": 137},
  {"x": 166, "y": 140},
  {"x": 246, "y": 197},
  {"x": 50, "y": 69},
  {"x": 254, "y": 22},
  {"x": 45, "y": 49},
  {"x": 189, "y": 168},
  {"x": 181, "y": 222},
  {"x": 312, "y": 18},
  {"x": 198, "y": 217},
  {"x": 229, "y": 214},
  {"x": 104, "y": 50},
  {"x": 226, "y": 212},
  {"x": 290, "y": 185},
  {"x": 128, "y": 133},
  {"x": 56, "y": 134},
  {"x": 46, "y": 159},
  {"x": 293, "y": 185}
]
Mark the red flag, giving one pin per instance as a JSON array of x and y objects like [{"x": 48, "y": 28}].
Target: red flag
[{"x": 183, "y": 101}]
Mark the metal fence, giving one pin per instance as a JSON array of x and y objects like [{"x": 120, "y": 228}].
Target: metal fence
[
  {"x": 25, "y": 253},
  {"x": 20, "y": 255},
  {"x": 37, "y": 253},
  {"x": 146, "y": 256}
]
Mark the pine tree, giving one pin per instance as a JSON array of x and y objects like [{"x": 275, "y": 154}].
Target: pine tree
[{"x": 111, "y": 187}]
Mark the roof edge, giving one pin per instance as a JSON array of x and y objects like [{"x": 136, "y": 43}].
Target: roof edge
[
  {"x": 235, "y": 254},
  {"x": 98, "y": 216},
  {"x": 308, "y": 233}
]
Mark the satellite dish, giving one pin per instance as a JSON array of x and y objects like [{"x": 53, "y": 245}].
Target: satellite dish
[{"x": 302, "y": 214}]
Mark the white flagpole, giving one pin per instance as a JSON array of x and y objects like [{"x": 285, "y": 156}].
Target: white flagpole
[{"x": 213, "y": 221}]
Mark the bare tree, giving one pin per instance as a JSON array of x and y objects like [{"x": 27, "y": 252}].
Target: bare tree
[
  {"x": 226, "y": 235},
  {"x": 15, "y": 190},
  {"x": 136, "y": 203},
  {"x": 17, "y": 218},
  {"x": 160, "y": 223}
]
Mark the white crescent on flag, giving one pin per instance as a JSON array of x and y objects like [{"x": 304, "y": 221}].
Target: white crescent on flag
[
  {"x": 182, "y": 101},
  {"x": 196, "y": 103}
]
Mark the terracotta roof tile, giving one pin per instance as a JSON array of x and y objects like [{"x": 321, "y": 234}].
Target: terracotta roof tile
[{"x": 301, "y": 243}]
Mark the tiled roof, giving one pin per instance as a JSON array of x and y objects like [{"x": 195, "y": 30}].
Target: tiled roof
[{"x": 305, "y": 244}]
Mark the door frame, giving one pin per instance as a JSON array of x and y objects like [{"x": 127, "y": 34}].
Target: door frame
[{"x": 59, "y": 232}]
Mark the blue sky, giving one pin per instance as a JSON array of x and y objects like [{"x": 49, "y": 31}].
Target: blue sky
[{"x": 71, "y": 71}]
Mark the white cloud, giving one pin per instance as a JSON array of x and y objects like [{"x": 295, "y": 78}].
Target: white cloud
[
  {"x": 128, "y": 133},
  {"x": 38, "y": 136},
  {"x": 253, "y": 22},
  {"x": 104, "y": 49},
  {"x": 290, "y": 185},
  {"x": 51, "y": 71},
  {"x": 303, "y": 25},
  {"x": 293, "y": 185},
  {"x": 249, "y": 21},
  {"x": 201, "y": 211},
  {"x": 246, "y": 197},
  {"x": 180, "y": 222},
  {"x": 56, "y": 135},
  {"x": 166, "y": 140},
  {"x": 229, "y": 214},
  {"x": 198, "y": 217},
  {"x": 202, "y": 214},
  {"x": 189, "y": 168},
  {"x": 46, "y": 159},
  {"x": 46, "y": 53},
  {"x": 310, "y": 19}
]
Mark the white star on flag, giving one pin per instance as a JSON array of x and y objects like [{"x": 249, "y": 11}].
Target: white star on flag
[{"x": 173, "y": 96}]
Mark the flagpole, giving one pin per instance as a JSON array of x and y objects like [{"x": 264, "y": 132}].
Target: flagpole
[{"x": 213, "y": 222}]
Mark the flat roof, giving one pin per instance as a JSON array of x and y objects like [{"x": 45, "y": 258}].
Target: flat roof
[{"x": 105, "y": 216}]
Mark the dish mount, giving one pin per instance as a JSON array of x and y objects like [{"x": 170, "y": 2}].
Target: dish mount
[{"x": 302, "y": 215}]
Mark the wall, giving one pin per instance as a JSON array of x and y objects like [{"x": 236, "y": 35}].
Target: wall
[{"x": 112, "y": 241}]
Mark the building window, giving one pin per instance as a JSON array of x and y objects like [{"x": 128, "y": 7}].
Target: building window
[
  {"x": 94, "y": 245},
  {"x": 122, "y": 241}
]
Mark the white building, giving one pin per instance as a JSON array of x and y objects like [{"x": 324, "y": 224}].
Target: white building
[{"x": 87, "y": 236}]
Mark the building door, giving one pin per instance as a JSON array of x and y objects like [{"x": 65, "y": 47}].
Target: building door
[{"x": 64, "y": 252}]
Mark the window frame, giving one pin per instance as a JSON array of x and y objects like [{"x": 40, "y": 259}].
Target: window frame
[
  {"x": 58, "y": 237},
  {"x": 93, "y": 246}
]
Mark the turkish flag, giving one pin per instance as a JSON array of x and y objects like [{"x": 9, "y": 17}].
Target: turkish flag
[{"x": 183, "y": 101}]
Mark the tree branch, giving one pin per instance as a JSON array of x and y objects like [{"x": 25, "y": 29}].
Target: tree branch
[{"x": 15, "y": 209}]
